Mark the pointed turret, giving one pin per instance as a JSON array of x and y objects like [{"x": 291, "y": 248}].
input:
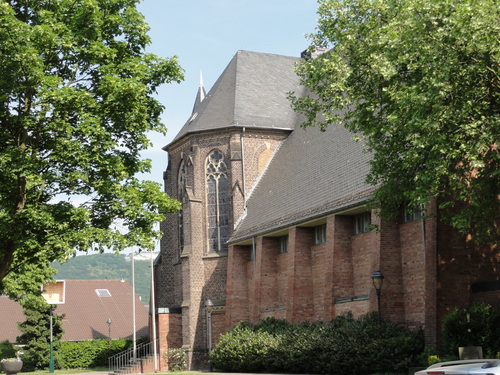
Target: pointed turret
[{"x": 199, "y": 96}]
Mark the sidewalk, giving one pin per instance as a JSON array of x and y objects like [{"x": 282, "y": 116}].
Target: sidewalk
[{"x": 180, "y": 373}]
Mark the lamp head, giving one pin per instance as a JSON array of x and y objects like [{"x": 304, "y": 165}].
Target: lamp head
[{"x": 378, "y": 279}]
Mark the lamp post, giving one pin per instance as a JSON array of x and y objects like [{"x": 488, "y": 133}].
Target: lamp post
[
  {"x": 109, "y": 321},
  {"x": 378, "y": 280},
  {"x": 51, "y": 347},
  {"x": 209, "y": 306}
]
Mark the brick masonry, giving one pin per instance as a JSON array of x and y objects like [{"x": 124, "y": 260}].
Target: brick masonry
[{"x": 428, "y": 268}]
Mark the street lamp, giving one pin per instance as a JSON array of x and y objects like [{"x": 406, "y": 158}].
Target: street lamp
[
  {"x": 109, "y": 321},
  {"x": 209, "y": 307},
  {"x": 378, "y": 280}
]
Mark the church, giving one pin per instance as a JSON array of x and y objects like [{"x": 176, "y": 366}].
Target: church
[{"x": 275, "y": 223}]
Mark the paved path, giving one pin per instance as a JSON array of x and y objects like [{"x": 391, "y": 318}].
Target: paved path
[{"x": 177, "y": 373}]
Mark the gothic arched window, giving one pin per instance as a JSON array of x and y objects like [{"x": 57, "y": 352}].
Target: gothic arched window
[
  {"x": 217, "y": 202},
  {"x": 181, "y": 192}
]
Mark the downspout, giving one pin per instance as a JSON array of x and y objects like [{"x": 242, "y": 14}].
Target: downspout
[
  {"x": 242, "y": 140},
  {"x": 424, "y": 236}
]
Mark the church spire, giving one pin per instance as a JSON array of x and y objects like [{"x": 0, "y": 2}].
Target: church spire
[{"x": 200, "y": 95}]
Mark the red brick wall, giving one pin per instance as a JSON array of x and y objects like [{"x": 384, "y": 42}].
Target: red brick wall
[
  {"x": 238, "y": 284},
  {"x": 310, "y": 282},
  {"x": 300, "y": 286},
  {"x": 218, "y": 326},
  {"x": 413, "y": 263},
  {"x": 322, "y": 265},
  {"x": 460, "y": 264},
  {"x": 169, "y": 330},
  {"x": 268, "y": 255}
]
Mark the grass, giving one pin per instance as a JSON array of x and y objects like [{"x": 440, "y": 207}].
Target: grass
[
  {"x": 63, "y": 372},
  {"x": 80, "y": 371}
]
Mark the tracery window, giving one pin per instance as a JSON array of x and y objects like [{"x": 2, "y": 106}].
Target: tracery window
[
  {"x": 181, "y": 192},
  {"x": 217, "y": 201}
]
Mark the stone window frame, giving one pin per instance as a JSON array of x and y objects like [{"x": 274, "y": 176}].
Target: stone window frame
[{"x": 217, "y": 201}]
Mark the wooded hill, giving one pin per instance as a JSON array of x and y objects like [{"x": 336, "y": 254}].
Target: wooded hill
[{"x": 107, "y": 266}]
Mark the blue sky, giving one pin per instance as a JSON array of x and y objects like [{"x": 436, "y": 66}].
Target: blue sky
[{"x": 205, "y": 35}]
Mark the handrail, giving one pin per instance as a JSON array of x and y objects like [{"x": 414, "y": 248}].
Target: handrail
[{"x": 130, "y": 357}]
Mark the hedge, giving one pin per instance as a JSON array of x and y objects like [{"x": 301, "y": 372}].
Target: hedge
[
  {"x": 342, "y": 346},
  {"x": 89, "y": 353}
]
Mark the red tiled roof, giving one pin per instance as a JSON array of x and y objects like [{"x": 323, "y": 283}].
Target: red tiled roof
[
  {"x": 86, "y": 312},
  {"x": 11, "y": 313}
]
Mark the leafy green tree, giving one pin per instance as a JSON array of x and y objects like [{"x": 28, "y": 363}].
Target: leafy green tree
[
  {"x": 419, "y": 82},
  {"x": 36, "y": 336},
  {"x": 76, "y": 108}
]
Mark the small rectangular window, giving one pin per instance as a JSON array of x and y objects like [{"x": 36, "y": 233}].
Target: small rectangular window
[
  {"x": 412, "y": 213},
  {"x": 103, "y": 292},
  {"x": 320, "y": 234},
  {"x": 283, "y": 244},
  {"x": 362, "y": 223}
]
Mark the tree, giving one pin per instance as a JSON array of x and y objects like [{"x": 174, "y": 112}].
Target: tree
[
  {"x": 419, "y": 82},
  {"x": 35, "y": 336},
  {"x": 76, "y": 106}
]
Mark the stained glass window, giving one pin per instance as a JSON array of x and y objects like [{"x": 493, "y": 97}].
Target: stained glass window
[{"x": 217, "y": 202}]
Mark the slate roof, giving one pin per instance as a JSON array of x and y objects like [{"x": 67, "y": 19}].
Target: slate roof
[
  {"x": 313, "y": 174},
  {"x": 251, "y": 92},
  {"x": 86, "y": 312}
]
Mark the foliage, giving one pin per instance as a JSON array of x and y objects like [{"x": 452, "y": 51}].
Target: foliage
[
  {"x": 427, "y": 357},
  {"x": 36, "y": 336},
  {"x": 76, "y": 106},
  {"x": 15, "y": 359},
  {"x": 7, "y": 350},
  {"x": 175, "y": 359},
  {"x": 89, "y": 353},
  {"x": 243, "y": 350},
  {"x": 477, "y": 326},
  {"x": 419, "y": 82},
  {"x": 107, "y": 266},
  {"x": 276, "y": 346}
]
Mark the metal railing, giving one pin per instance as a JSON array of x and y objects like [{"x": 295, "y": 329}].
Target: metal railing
[{"x": 130, "y": 358}]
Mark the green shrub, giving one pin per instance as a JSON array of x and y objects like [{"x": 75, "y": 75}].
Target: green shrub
[
  {"x": 478, "y": 326},
  {"x": 89, "y": 353},
  {"x": 7, "y": 350},
  {"x": 274, "y": 345},
  {"x": 176, "y": 359},
  {"x": 243, "y": 350}
]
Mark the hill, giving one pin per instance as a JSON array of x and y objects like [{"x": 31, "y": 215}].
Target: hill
[{"x": 107, "y": 266}]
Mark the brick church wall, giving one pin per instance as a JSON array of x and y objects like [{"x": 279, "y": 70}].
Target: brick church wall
[{"x": 310, "y": 281}]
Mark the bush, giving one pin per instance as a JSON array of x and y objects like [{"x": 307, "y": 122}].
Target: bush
[
  {"x": 478, "y": 326},
  {"x": 7, "y": 350},
  {"x": 274, "y": 345},
  {"x": 175, "y": 359},
  {"x": 243, "y": 350},
  {"x": 89, "y": 353}
]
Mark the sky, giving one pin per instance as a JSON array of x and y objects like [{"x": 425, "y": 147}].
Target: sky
[{"x": 205, "y": 35}]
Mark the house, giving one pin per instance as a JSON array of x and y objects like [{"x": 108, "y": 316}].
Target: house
[
  {"x": 88, "y": 304},
  {"x": 274, "y": 222}
]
